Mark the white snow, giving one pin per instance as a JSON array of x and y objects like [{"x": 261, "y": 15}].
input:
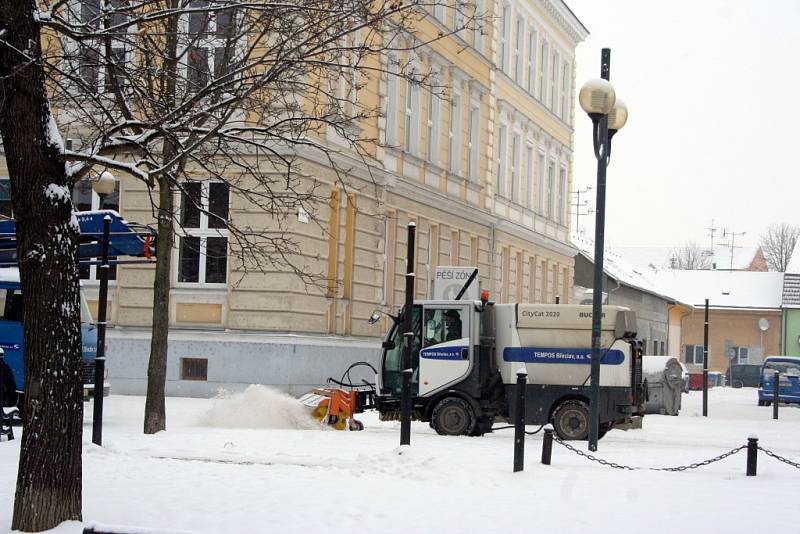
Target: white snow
[
  {"x": 53, "y": 135},
  {"x": 56, "y": 193},
  {"x": 729, "y": 289},
  {"x": 200, "y": 478},
  {"x": 616, "y": 267}
]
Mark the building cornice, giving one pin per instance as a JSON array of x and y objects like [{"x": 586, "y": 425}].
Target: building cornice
[{"x": 566, "y": 19}]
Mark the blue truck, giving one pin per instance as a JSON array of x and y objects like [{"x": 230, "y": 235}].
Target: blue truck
[
  {"x": 788, "y": 384},
  {"x": 125, "y": 240}
]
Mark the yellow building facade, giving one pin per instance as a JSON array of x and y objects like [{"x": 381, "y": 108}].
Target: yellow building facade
[{"x": 483, "y": 167}]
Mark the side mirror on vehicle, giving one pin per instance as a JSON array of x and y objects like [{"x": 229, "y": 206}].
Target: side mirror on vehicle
[{"x": 374, "y": 318}]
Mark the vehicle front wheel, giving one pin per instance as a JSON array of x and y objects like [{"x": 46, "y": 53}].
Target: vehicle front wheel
[
  {"x": 761, "y": 403},
  {"x": 571, "y": 420},
  {"x": 453, "y": 416}
]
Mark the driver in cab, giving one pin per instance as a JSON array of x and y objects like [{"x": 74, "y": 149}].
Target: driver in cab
[{"x": 452, "y": 319}]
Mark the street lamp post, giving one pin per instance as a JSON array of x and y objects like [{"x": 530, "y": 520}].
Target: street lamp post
[
  {"x": 598, "y": 99},
  {"x": 103, "y": 186}
]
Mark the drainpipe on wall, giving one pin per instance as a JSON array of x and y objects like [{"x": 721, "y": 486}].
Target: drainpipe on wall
[{"x": 492, "y": 259}]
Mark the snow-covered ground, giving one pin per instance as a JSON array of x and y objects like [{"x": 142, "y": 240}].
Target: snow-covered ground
[{"x": 253, "y": 463}]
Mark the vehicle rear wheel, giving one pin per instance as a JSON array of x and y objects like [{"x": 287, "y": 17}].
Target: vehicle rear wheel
[
  {"x": 453, "y": 416},
  {"x": 9, "y": 389},
  {"x": 761, "y": 403},
  {"x": 571, "y": 420}
]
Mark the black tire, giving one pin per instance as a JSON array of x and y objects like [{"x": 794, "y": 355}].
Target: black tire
[
  {"x": 9, "y": 389},
  {"x": 761, "y": 403},
  {"x": 571, "y": 420},
  {"x": 483, "y": 426},
  {"x": 453, "y": 416},
  {"x": 767, "y": 403}
]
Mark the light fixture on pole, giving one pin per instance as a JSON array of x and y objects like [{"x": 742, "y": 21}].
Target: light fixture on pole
[
  {"x": 104, "y": 185},
  {"x": 599, "y": 100}
]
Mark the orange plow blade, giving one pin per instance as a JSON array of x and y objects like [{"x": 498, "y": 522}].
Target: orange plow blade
[{"x": 334, "y": 407}]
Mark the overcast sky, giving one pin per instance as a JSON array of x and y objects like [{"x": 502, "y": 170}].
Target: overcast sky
[{"x": 713, "y": 93}]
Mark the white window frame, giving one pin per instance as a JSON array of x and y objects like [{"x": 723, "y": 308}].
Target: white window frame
[
  {"x": 697, "y": 354},
  {"x": 477, "y": 26},
  {"x": 562, "y": 194},
  {"x": 433, "y": 127},
  {"x": 555, "y": 68},
  {"x": 516, "y": 139},
  {"x": 74, "y": 49},
  {"x": 438, "y": 9},
  {"x": 529, "y": 163},
  {"x": 501, "y": 160},
  {"x": 505, "y": 37},
  {"x": 540, "y": 168},
  {"x": 211, "y": 42},
  {"x": 518, "y": 48},
  {"x": 742, "y": 355},
  {"x": 551, "y": 184},
  {"x": 531, "y": 82},
  {"x": 459, "y": 17},
  {"x": 203, "y": 232},
  {"x": 565, "y": 91},
  {"x": 473, "y": 141},
  {"x": 543, "y": 83},
  {"x": 454, "y": 133},
  {"x": 392, "y": 99},
  {"x": 412, "y": 117}
]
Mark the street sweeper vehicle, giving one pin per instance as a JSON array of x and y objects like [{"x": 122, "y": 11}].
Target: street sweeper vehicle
[{"x": 466, "y": 354}]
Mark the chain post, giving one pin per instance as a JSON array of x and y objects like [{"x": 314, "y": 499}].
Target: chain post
[
  {"x": 519, "y": 421},
  {"x": 752, "y": 455},
  {"x": 776, "y": 387},
  {"x": 547, "y": 445}
]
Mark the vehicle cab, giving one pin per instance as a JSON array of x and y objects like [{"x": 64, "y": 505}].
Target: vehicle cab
[{"x": 12, "y": 340}]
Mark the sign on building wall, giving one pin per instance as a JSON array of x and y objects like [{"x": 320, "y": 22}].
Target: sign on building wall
[{"x": 449, "y": 281}]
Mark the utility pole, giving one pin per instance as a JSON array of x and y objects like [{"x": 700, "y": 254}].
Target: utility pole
[{"x": 578, "y": 205}]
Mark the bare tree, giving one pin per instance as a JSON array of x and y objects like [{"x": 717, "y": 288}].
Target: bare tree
[
  {"x": 778, "y": 243},
  {"x": 240, "y": 93},
  {"x": 689, "y": 256}
]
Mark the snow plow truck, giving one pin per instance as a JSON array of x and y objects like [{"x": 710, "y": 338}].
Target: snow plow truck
[{"x": 465, "y": 357}]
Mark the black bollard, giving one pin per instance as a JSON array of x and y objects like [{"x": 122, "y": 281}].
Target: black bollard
[
  {"x": 752, "y": 455},
  {"x": 776, "y": 394},
  {"x": 547, "y": 445},
  {"x": 519, "y": 423},
  {"x": 5, "y": 421}
]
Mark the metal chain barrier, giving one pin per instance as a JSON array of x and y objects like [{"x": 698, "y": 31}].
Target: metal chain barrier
[
  {"x": 779, "y": 458},
  {"x": 671, "y": 469}
]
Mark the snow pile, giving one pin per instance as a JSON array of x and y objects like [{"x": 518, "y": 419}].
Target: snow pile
[{"x": 258, "y": 407}]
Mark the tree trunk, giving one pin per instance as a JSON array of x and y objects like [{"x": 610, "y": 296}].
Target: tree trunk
[
  {"x": 49, "y": 476},
  {"x": 155, "y": 418}
]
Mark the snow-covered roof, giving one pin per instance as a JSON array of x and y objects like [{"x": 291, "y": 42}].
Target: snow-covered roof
[
  {"x": 660, "y": 257},
  {"x": 724, "y": 289},
  {"x": 620, "y": 270}
]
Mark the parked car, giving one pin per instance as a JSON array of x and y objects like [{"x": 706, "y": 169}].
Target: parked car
[
  {"x": 789, "y": 382},
  {"x": 745, "y": 375}
]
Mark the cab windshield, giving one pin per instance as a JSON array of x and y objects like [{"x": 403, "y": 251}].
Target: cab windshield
[{"x": 393, "y": 357}]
